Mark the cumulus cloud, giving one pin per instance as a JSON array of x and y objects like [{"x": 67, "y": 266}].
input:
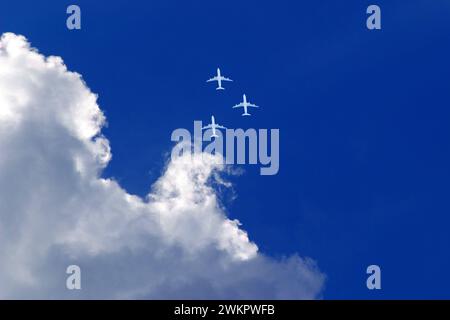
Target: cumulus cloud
[{"x": 56, "y": 210}]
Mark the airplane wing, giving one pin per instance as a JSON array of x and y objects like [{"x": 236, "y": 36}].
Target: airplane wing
[
  {"x": 220, "y": 127},
  {"x": 212, "y": 79},
  {"x": 240, "y": 105},
  {"x": 226, "y": 79},
  {"x": 207, "y": 127},
  {"x": 253, "y": 105}
]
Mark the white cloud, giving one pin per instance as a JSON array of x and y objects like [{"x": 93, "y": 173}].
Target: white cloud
[{"x": 55, "y": 210}]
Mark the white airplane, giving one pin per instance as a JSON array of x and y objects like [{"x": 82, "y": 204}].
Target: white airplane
[
  {"x": 245, "y": 104},
  {"x": 213, "y": 126},
  {"x": 219, "y": 78}
]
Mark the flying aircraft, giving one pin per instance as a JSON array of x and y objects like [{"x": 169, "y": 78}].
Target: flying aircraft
[
  {"x": 213, "y": 126},
  {"x": 245, "y": 104},
  {"x": 219, "y": 78}
]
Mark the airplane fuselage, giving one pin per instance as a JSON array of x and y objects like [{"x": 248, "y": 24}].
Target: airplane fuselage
[
  {"x": 245, "y": 105},
  {"x": 213, "y": 121},
  {"x": 219, "y": 79}
]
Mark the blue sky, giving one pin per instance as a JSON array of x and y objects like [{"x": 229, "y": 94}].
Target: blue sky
[{"x": 363, "y": 118}]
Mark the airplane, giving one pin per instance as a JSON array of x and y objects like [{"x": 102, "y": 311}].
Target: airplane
[
  {"x": 219, "y": 78},
  {"x": 213, "y": 126},
  {"x": 245, "y": 104}
]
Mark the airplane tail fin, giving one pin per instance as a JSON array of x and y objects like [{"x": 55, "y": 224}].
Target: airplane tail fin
[
  {"x": 220, "y": 88},
  {"x": 246, "y": 114}
]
